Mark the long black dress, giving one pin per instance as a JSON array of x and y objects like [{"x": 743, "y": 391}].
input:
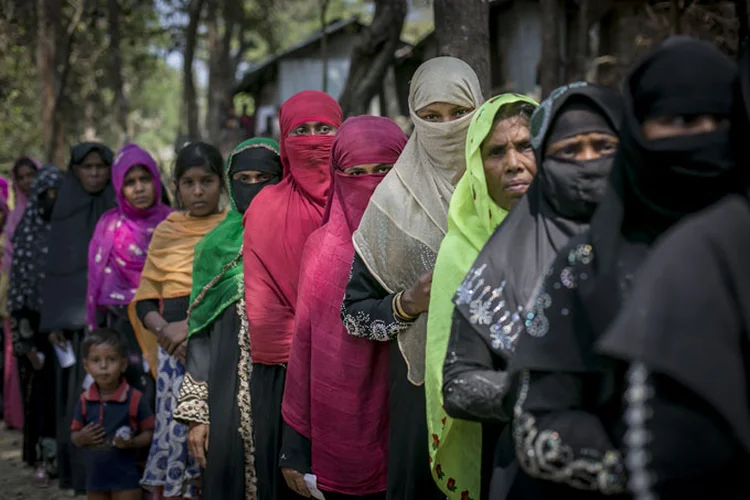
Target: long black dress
[
  {"x": 31, "y": 245},
  {"x": 73, "y": 222},
  {"x": 367, "y": 312},
  {"x": 219, "y": 357},
  {"x": 686, "y": 330},
  {"x": 568, "y": 418},
  {"x": 39, "y": 445}
]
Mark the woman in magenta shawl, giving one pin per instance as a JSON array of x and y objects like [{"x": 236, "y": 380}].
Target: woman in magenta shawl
[
  {"x": 117, "y": 251},
  {"x": 336, "y": 398},
  {"x": 22, "y": 176}
]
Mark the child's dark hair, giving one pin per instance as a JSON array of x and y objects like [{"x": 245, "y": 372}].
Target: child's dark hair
[
  {"x": 199, "y": 154},
  {"x": 102, "y": 336}
]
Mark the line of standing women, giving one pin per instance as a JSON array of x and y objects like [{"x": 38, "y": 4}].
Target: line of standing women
[{"x": 522, "y": 350}]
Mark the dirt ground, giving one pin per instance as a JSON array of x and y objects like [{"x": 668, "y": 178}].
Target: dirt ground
[{"x": 17, "y": 480}]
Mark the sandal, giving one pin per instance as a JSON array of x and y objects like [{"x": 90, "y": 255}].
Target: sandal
[{"x": 41, "y": 478}]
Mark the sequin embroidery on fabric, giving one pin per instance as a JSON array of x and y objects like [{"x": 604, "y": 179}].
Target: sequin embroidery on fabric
[
  {"x": 543, "y": 454},
  {"x": 486, "y": 309}
]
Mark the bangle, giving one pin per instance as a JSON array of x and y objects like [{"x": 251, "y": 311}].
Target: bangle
[{"x": 399, "y": 312}]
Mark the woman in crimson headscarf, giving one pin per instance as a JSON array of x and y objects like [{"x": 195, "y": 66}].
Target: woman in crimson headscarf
[
  {"x": 277, "y": 225},
  {"x": 336, "y": 395}
]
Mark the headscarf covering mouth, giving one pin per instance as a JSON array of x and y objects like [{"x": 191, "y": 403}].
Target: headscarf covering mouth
[
  {"x": 254, "y": 155},
  {"x": 682, "y": 77},
  {"x": 310, "y": 406},
  {"x": 294, "y": 209},
  {"x": 217, "y": 267},
  {"x": 305, "y": 158},
  {"x": 407, "y": 217},
  {"x": 359, "y": 141}
]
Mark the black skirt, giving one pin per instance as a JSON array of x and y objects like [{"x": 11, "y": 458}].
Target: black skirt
[
  {"x": 266, "y": 393},
  {"x": 409, "y": 474}
]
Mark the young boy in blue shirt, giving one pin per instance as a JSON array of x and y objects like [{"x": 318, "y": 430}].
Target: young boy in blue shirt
[{"x": 112, "y": 422}]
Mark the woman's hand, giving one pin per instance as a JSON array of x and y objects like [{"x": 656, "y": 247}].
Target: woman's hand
[
  {"x": 198, "y": 442},
  {"x": 172, "y": 336},
  {"x": 296, "y": 482},
  {"x": 57, "y": 338},
  {"x": 181, "y": 352},
  {"x": 416, "y": 300},
  {"x": 33, "y": 357}
]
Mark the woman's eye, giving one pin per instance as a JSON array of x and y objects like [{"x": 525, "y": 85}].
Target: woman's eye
[
  {"x": 300, "y": 131},
  {"x": 461, "y": 112},
  {"x": 324, "y": 129}
]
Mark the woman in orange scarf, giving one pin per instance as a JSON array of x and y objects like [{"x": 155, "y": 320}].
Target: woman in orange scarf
[{"x": 159, "y": 312}]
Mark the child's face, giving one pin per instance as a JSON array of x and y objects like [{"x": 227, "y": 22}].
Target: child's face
[{"x": 105, "y": 365}]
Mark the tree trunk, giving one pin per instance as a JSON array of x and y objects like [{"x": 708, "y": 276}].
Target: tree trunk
[
  {"x": 212, "y": 124},
  {"x": 677, "y": 9},
  {"x": 115, "y": 56},
  {"x": 221, "y": 71},
  {"x": 741, "y": 8},
  {"x": 462, "y": 30},
  {"x": 550, "y": 64},
  {"x": 324, "y": 43},
  {"x": 189, "y": 102},
  {"x": 57, "y": 125},
  {"x": 577, "y": 41},
  {"x": 48, "y": 12},
  {"x": 372, "y": 55}
]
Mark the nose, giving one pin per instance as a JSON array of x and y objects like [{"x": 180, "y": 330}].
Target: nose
[
  {"x": 139, "y": 187},
  {"x": 589, "y": 153},
  {"x": 197, "y": 190},
  {"x": 512, "y": 161},
  {"x": 705, "y": 124}
]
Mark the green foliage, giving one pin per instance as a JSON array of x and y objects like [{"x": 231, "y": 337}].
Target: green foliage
[{"x": 19, "y": 96}]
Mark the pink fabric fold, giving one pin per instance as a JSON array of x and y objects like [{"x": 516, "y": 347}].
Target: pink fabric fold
[
  {"x": 278, "y": 223},
  {"x": 337, "y": 386}
]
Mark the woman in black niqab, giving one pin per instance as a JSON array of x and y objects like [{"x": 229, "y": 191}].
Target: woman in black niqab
[
  {"x": 490, "y": 303},
  {"x": 675, "y": 158},
  {"x": 85, "y": 194},
  {"x": 685, "y": 330}
]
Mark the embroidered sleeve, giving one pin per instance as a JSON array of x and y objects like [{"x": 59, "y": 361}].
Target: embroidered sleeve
[
  {"x": 565, "y": 445},
  {"x": 192, "y": 401},
  {"x": 473, "y": 388},
  {"x": 367, "y": 308}
]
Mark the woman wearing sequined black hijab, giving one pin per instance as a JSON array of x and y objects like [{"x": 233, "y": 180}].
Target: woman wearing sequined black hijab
[{"x": 675, "y": 158}]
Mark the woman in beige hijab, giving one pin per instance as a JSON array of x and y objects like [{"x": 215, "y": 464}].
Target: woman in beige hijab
[{"x": 396, "y": 245}]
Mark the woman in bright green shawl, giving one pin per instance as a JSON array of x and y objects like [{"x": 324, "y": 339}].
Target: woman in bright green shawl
[
  {"x": 501, "y": 126},
  {"x": 218, "y": 342}
]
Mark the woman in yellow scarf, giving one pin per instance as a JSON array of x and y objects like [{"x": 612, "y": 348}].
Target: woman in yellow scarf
[{"x": 158, "y": 312}]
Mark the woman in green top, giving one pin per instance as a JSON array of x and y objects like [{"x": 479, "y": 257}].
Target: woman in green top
[
  {"x": 500, "y": 166},
  {"x": 218, "y": 342}
]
